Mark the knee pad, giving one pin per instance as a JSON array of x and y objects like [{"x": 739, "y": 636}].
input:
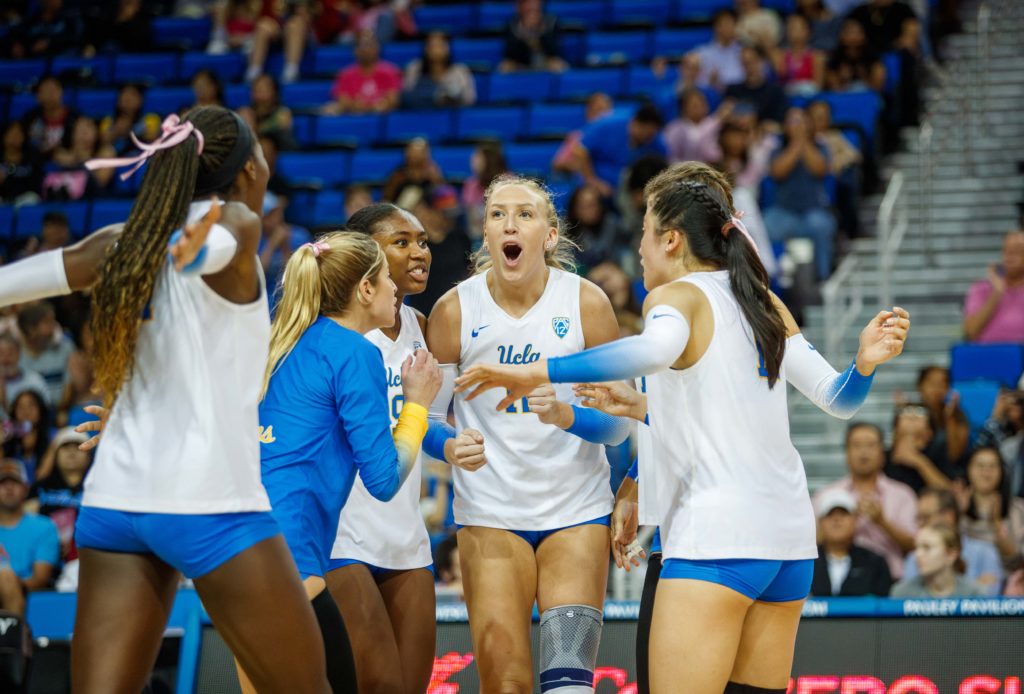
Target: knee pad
[
  {"x": 736, "y": 688},
  {"x": 569, "y": 638}
]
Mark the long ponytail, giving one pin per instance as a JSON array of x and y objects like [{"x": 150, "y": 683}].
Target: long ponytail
[{"x": 297, "y": 309}]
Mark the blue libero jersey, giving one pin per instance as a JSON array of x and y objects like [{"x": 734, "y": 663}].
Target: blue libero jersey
[{"x": 324, "y": 418}]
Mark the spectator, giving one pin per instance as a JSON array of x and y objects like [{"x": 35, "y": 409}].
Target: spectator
[
  {"x": 991, "y": 513},
  {"x": 937, "y": 507},
  {"x": 612, "y": 143},
  {"x": 371, "y": 85},
  {"x": 632, "y": 204},
  {"x": 756, "y": 89},
  {"x": 824, "y": 23},
  {"x": 842, "y": 567},
  {"x": 531, "y": 40},
  {"x": 49, "y": 30},
  {"x": 844, "y": 162},
  {"x": 73, "y": 181},
  {"x": 266, "y": 114},
  {"x": 21, "y": 167},
  {"x": 47, "y": 123},
  {"x": 616, "y": 285},
  {"x": 952, "y": 430},
  {"x": 717, "y": 65},
  {"x": 417, "y": 172},
  {"x": 129, "y": 117},
  {"x": 55, "y": 234},
  {"x": 29, "y": 438},
  {"x": 357, "y": 197},
  {"x": 207, "y": 88},
  {"x": 29, "y": 546},
  {"x": 758, "y": 26},
  {"x": 746, "y": 150},
  {"x": 337, "y": 21},
  {"x": 16, "y": 379},
  {"x": 942, "y": 568},
  {"x": 438, "y": 211},
  {"x": 909, "y": 461},
  {"x": 853, "y": 65},
  {"x": 693, "y": 136},
  {"x": 598, "y": 104},
  {"x": 801, "y": 208},
  {"x": 435, "y": 80},
  {"x": 884, "y": 22},
  {"x": 46, "y": 347},
  {"x": 799, "y": 66},
  {"x": 885, "y": 507},
  {"x": 1005, "y": 430},
  {"x": 58, "y": 496},
  {"x": 127, "y": 29},
  {"x": 234, "y": 23},
  {"x": 994, "y": 310},
  {"x": 80, "y": 390},
  {"x": 593, "y": 226},
  {"x": 487, "y": 163},
  {"x": 449, "y": 571},
  {"x": 279, "y": 21},
  {"x": 280, "y": 239}
]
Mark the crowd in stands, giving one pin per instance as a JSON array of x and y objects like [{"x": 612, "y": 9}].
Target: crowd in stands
[{"x": 754, "y": 98}]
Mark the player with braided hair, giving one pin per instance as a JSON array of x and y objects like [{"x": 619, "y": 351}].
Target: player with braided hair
[{"x": 723, "y": 480}]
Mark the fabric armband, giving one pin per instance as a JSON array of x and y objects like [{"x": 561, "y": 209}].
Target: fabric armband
[
  {"x": 839, "y": 394},
  {"x": 39, "y": 276},
  {"x": 215, "y": 255},
  {"x": 598, "y": 427},
  {"x": 438, "y": 434}
]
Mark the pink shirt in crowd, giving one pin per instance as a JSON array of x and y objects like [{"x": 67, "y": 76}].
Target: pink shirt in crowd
[
  {"x": 368, "y": 89},
  {"x": 1007, "y": 323},
  {"x": 899, "y": 507},
  {"x": 689, "y": 141}
]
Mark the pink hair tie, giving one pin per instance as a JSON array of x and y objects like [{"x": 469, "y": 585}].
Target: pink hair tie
[
  {"x": 735, "y": 222},
  {"x": 317, "y": 247},
  {"x": 174, "y": 133}
]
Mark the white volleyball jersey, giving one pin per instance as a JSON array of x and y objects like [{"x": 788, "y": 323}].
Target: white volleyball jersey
[
  {"x": 182, "y": 436},
  {"x": 388, "y": 534},
  {"x": 725, "y": 479},
  {"x": 537, "y": 477}
]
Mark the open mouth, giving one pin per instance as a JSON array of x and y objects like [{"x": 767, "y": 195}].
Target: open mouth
[
  {"x": 418, "y": 273},
  {"x": 512, "y": 251}
]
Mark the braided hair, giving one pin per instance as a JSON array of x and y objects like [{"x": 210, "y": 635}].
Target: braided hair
[{"x": 702, "y": 213}]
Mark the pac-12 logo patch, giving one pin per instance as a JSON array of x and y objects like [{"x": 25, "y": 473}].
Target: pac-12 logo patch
[{"x": 560, "y": 325}]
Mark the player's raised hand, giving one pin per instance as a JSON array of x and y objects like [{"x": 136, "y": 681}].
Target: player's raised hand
[
  {"x": 102, "y": 414},
  {"x": 616, "y": 398},
  {"x": 467, "y": 450},
  {"x": 518, "y": 380},
  {"x": 186, "y": 247},
  {"x": 883, "y": 338}
]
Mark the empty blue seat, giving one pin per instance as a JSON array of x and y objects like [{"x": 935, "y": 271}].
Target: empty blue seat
[
  {"x": 228, "y": 66},
  {"x": 304, "y": 129},
  {"x": 640, "y": 79},
  {"x": 858, "y": 108},
  {"x": 166, "y": 100},
  {"x": 546, "y": 120},
  {"x": 328, "y": 60},
  {"x": 306, "y": 95},
  {"x": 29, "y": 218},
  {"x": 21, "y": 72},
  {"x": 590, "y": 14},
  {"x": 152, "y": 68},
  {"x": 1001, "y": 363},
  {"x": 477, "y": 52},
  {"x": 892, "y": 62},
  {"x": 482, "y": 122},
  {"x": 327, "y": 169},
  {"x": 101, "y": 67},
  {"x": 374, "y": 165},
  {"x": 454, "y": 161},
  {"x": 316, "y": 209},
  {"x": 654, "y": 12},
  {"x": 581, "y": 83},
  {"x": 6, "y": 221},
  {"x": 21, "y": 104},
  {"x": 676, "y": 42},
  {"x": 401, "y": 54},
  {"x": 976, "y": 399},
  {"x": 531, "y": 158},
  {"x": 355, "y": 130},
  {"x": 561, "y": 192},
  {"x": 454, "y": 19},
  {"x": 96, "y": 103},
  {"x": 108, "y": 211},
  {"x": 181, "y": 32},
  {"x": 493, "y": 16},
  {"x": 236, "y": 95},
  {"x": 783, "y": 7},
  {"x": 519, "y": 86},
  {"x": 698, "y": 10},
  {"x": 434, "y": 125},
  {"x": 617, "y": 47}
]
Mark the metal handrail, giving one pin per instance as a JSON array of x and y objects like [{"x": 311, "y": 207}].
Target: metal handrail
[
  {"x": 892, "y": 227},
  {"x": 843, "y": 300},
  {"x": 926, "y": 180}
]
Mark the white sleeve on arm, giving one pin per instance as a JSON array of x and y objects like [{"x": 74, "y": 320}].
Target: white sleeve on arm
[
  {"x": 839, "y": 394},
  {"x": 215, "y": 255},
  {"x": 443, "y": 399},
  {"x": 37, "y": 277}
]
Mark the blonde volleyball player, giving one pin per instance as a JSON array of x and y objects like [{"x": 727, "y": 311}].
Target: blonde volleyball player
[
  {"x": 728, "y": 488},
  {"x": 534, "y": 520},
  {"x": 380, "y": 572}
]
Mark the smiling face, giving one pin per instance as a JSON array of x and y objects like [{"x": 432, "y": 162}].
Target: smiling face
[
  {"x": 517, "y": 231},
  {"x": 985, "y": 471},
  {"x": 405, "y": 246}
]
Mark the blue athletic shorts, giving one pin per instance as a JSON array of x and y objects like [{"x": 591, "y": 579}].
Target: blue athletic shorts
[
  {"x": 765, "y": 580},
  {"x": 535, "y": 537},
  {"x": 195, "y": 545},
  {"x": 375, "y": 571}
]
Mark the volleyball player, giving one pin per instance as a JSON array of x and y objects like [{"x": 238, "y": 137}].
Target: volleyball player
[
  {"x": 533, "y": 521},
  {"x": 324, "y": 414},
  {"x": 380, "y": 572},
  {"x": 724, "y": 481}
]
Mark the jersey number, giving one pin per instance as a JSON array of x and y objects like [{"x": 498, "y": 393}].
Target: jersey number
[
  {"x": 396, "y": 406},
  {"x": 511, "y": 409}
]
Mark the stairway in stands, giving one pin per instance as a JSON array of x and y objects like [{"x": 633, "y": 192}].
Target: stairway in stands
[{"x": 955, "y": 223}]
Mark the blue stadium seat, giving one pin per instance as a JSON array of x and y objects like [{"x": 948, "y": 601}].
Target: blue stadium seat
[
  {"x": 454, "y": 161},
  {"x": 167, "y": 100},
  {"x": 477, "y": 51},
  {"x": 355, "y": 130},
  {"x": 562, "y": 192},
  {"x": 6, "y": 221},
  {"x": 96, "y": 103},
  {"x": 857, "y": 108},
  {"x": 783, "y": 7},
  {"x": 531, "y": 158},
  {"x": 181, "y": 32},
  {"x": 328, "y": 169},
  {"x": 237, "y": 95},
  {"x": 698, "y": 10},
  {"x": 304, "y": 129},
  {"x": 434, "y": 125},
  {"x": 152, "y": 68},
  {"x": 519, "y": 86},
  {"x": 228, "y": 67},
  {"x": 892, "y": 62},
  {"x": 581, "y": 83},
  {"x": 373, "y": 166},
  {"x": 21, "y": 104},
  {"x": 547, "y": 120},
  {"x": 976, "y": 399},
  {"x": 654, "y": 12},
  {"x": 328, "y": 60},
  {"x": 130, "y": 186},
  {"x": 676, "y": 42},
  {"x": 100, "y": 67},
  {"x": 108, "y": 211},
  {"x": 454, "y": 19},
  {"x": 640, "y": 79},
  {"x": 1002, "y": 363},
  {"x": 403, "y": 53},
  {"x": 493, "y": 16},
  {"x": 316, "y": 209},
  {"x": 493, "y": 122},
  {"x": 21, "y": 72},
  {"x": 589, "y": 14},
  {"x": 306, "y": 95},
  {"x": 29, "y": 218},
  {"x": 617, "y": 47}
]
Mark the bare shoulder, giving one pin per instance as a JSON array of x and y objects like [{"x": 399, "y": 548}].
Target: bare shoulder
[
  {"x": 787, "y": 317},
  {"x": 592, "y": 297},
  {"x": 685, "y": 297},
  {"x": 420, "y": 319},
  {"x": 597, "y": 315}
]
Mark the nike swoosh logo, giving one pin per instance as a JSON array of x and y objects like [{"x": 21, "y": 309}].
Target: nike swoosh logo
[
  {"x": 476, "y": 331},
  {"x": 662, "y": 315}
]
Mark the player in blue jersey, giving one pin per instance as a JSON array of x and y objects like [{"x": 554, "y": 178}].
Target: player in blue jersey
[{"x": 324, "y": 414}]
